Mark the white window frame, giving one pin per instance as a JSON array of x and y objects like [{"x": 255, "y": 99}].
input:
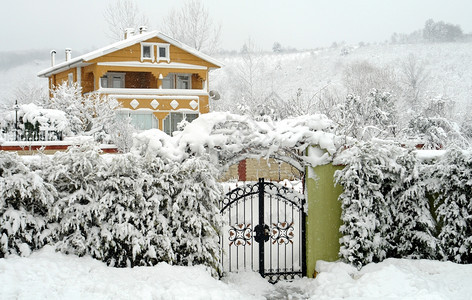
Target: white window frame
[
  {"x": 109, "y": 77},
  {"x": 168, "y": 120},
  {"x": 151, "y": 46},
  {"x": 158, "y": 53}
]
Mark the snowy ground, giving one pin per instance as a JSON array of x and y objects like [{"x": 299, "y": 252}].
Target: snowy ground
[{"x": 49, "y": 275}]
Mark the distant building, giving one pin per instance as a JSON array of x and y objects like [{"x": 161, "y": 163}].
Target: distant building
[{"x": 158, "y": 80}]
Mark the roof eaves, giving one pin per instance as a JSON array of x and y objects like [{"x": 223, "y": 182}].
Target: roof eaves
[{"x": 60, "y": 67}]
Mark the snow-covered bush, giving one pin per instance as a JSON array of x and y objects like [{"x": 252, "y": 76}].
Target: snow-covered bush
[
  {"x": 415, "y": 226},
  {"x": 368, "y": 117},
  {"x": 435, "y": 132},
  {"x": 24, "y": 202},
  {"x": 453, "y": 187},
  {"x": 367, "y": 203},
  {"x": 133, "y": 213},
  {"x": 195, "y": 216},
  {"x": 395, "y": 205},
  {"x": 132, "y": 210},
  {"x": 76, "y": 176}
]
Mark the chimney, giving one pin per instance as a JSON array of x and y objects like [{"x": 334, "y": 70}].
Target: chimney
[
  {"x": 129, "y": 32},
  {"x": 53, "y": 58},
  {"x": 68, "y": 54},
  {"x": 142, "y": 29}
]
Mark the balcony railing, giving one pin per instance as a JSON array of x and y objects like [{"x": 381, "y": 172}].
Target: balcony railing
[
  {"x": 30, "y": 133},
  {"x": 163, "y": 92}
]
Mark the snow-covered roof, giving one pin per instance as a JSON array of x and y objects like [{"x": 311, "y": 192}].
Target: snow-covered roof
[{"x": 83, "y": 59}]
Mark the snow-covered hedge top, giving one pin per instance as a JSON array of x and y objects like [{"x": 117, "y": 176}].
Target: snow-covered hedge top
[
  {"x": 52, "y": 119},
  {"x": 228, "y": 138}
]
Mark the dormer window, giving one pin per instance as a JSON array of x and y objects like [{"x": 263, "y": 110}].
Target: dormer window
[
  {"x": 163, "y": 52},
  {"x": 147, "y": 51}
]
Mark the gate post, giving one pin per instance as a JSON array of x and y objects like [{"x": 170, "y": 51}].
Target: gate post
[{"x": 324, "y": 216}]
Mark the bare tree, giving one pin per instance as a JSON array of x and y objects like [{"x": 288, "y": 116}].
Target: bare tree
[
  {"x": 192, "y": 25},
  {"x": 414, "y": 75},
  {"x": 31, "y": 93},
  {"x": 122, "y": 14}
]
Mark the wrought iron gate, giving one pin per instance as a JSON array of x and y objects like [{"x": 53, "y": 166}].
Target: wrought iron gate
[{"x": 264, "y": 231}]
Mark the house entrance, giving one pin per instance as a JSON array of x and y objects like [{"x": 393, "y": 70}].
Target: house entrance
[{"x": 264, "y": 231}]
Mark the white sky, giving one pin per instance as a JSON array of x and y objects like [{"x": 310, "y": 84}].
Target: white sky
[{"x": 302, "y": 24}]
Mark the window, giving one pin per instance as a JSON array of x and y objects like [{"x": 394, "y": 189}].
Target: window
[
  {"x": 168, "y": 82},
  {"x": 163, "y": 52},
  {"x": 141, "y": 120},
  {"x": 172, "y": 121},
  {"x": 179, "y": 81},
  {"x": 147, "y": 51},
  {"x": 183, "y": 82},
  {"x": 113, "y": 80}
]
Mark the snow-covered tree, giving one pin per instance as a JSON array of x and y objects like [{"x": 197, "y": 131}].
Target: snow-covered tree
[
  {"x": 277, "y": 47},
  {"x": 386, "y": 207},
  {"x": 122, "y": 134},
  {"x": 367, "y": 203},
  {"x": 453, "y": 190},
  {"x": 415, "y": 226},
  {"x": 91, "y": 115},
  {"x": 103, "y": 118},
  {"x": 68, "y": 98},
  {"x": 369, "y": 117},
  {"x": 441, "y": 31},
  {"x": 76, "y": 176},
  {"x": 195, "y": 216},
  {"x": 25, "y": 199},
  {"x": 134, "y": 226},
  {"x": 434, "y": 132}
]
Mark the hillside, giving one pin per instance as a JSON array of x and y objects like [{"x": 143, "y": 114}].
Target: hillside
[{"x": 447, "y": 67}]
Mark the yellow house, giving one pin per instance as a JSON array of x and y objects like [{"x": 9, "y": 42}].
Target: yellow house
[{"x": 158, "y": 80}]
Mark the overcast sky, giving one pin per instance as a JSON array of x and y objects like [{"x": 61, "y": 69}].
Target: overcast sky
[{"x": 301, "y": 24}]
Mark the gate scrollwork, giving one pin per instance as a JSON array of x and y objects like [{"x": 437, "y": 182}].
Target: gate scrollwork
[{"x": 240, "y": 235}]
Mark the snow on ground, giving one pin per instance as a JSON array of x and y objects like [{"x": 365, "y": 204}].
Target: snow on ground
[{"x": 49, "y": 275}]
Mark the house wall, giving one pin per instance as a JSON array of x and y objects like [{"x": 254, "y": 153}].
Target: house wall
[
  {"x": 59, "y": 78},
  {"x": 87, "y": 82}
]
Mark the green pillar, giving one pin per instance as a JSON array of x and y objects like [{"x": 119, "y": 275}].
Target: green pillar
[{"x": 324, "y": 216}]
